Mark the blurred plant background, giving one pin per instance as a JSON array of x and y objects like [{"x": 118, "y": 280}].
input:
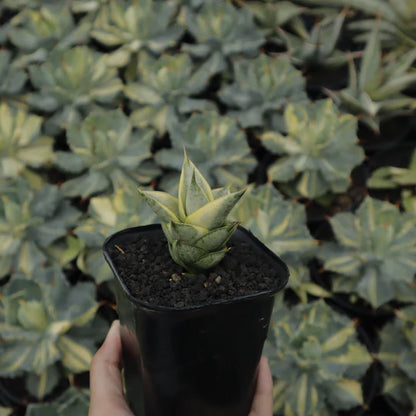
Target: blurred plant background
[{"x": 309, "y": 103}]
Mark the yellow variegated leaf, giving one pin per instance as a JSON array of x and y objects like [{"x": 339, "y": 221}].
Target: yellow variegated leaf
[
  {"x": 75, "y": 357},
  {"x": 215, "y": 213},
  {"x": 338, "y": 340},
  {"x": 59, "y": 327},
  {"x": 356, "y": 355},
  {"x": 216, "y": 239},
  {"x": 190, "y": 174},
  {"x": 102, "y": 208},
  {"x": 163, "y": 204},
  {"x": 32, "y": 315},
  {"x": 343, "y": 263}
]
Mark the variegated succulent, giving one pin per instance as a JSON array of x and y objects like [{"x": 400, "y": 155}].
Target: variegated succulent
[
  {"x": 319, "y": 150},
  {"x": 261, "y": 89},
  {"x": 281, "y": 226},
  {"x": 132, "y": 26},
  {"x": 164, "y": 87},
  {"x": 398, "y": 355},
  {"x": 43, "y": 322},
  {"x": 396, "y": 19},
  {"x": 195, "y": 224},
  {"x": 375, "y": 91},
  {"x": 33, "y": 226},
  {"x": 36, "y": 32},
  {"x": 271, "y": 15},
  {"x": 374, "y": 253},
  {"x": 394, "y": 177},
  {"x": 222, "y": 31},
  {"x": 107, "y": 215},
  {"x": 106, "y": 151},
  {"x": 315, "y": 47},
  {"x": 69, "y": 84},
  {"x": 316, "y": 361},
  {"x": 72, "y": 402},
  {"x": 12, "y": 79},
  {"x": 215, "y": 143},
  {"x": 22, "y": 146}
]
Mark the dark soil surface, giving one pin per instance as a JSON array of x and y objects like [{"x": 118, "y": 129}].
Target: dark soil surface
[{"x": 153, "y": 277}]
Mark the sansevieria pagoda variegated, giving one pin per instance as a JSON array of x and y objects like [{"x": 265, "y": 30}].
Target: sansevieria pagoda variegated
[{"x": 195, "y": 223}]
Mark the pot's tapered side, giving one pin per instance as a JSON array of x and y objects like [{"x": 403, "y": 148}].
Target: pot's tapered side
[{"x": 195, "y": 361}]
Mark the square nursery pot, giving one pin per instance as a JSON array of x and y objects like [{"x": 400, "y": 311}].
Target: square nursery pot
[{"x": 199, "y": 360}]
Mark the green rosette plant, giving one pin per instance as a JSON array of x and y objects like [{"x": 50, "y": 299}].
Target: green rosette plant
[
  {"x": 22, "y": 146},
  {"x": 261, "y": 89},
  {"x": 271, "y": 15},
  {"x": 281, "y": 226},
  {"x": 33, "y": 226},
  {"x": 70, "y": 83},
  {"x": 396, "y": 19},
  {"x": 319, "y": 151},
  {"x": 398, "y": 355},
  {"x": 42, "y": 331},
  {"x": 106, "y": 151},
  {"x": 195, "y": 223},
  {"x": 216, "y": 144},
  {"x": 36, "y": 32},
  {"x": 72, "y": 402},
  {"x": 12, "y": 79},
  {"x": 376, "y": 91},
  {"x": 222, "y": 31},
  {"x": 316, "y": 47},
  {"x": 137, "y": 25},
  {"x": 374, "y": 254},
  {"x": 164, "y": 89},
  {"x": 107, "y": 215},
  {"x": 316, "y": 361}
]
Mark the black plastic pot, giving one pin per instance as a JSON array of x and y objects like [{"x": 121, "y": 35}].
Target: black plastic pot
[{"x": 193, "y": 361}]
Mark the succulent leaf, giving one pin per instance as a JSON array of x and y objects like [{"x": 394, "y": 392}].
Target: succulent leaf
[
  {"x": 73, "y": 401},
  {"x": 12, "y": 78},
  {"x": 397, "y": 353}
]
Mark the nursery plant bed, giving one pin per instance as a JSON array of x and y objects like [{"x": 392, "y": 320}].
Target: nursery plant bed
[{"x": 184, "y": 354}]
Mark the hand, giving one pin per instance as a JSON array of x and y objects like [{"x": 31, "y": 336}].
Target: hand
[{"x": 107, "y": 398}]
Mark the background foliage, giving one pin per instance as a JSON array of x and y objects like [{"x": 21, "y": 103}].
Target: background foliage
[{"x": 308, "y": 103}]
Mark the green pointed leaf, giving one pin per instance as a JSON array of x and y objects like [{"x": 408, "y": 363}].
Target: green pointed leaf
[
  {"x": 214, "y": 214},
  {"x": 210, "y": 260},
  {"x": 345, "y": 394},
  {"x": 216, "y": 239},
  {"x": 164, "y": 205}
]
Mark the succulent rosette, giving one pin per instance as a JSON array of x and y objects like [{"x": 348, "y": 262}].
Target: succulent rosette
[{"x": 195, "y": 222}]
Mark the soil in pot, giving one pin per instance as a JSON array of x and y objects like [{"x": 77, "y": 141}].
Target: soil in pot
[{"x": 152, "y": 276}]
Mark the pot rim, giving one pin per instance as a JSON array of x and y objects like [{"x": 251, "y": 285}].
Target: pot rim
[{"x": 283, "y": 273}]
